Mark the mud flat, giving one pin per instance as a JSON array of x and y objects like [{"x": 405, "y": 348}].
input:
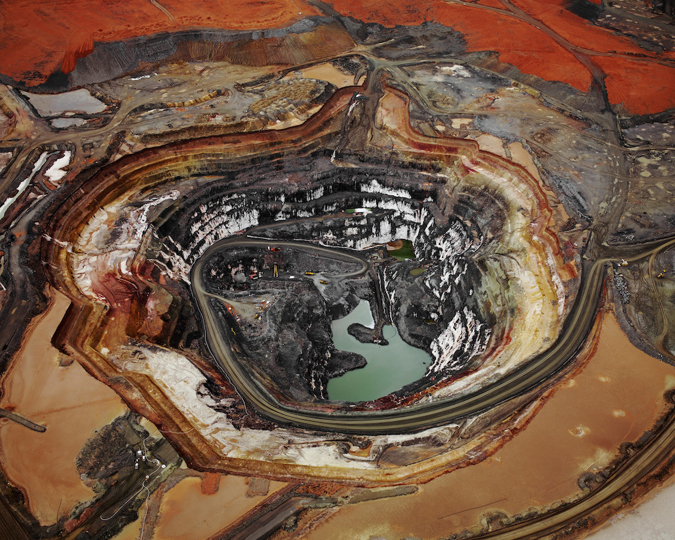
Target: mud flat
[
  {"x": 76, "y": 101},
  {"x": 70, "y": 403},
  {"x": 579, "y": 430},
  {"x": 188, "y": 513}
]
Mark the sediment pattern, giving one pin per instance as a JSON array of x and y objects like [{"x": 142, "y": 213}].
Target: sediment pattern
[{"x": 193, "y": 198}]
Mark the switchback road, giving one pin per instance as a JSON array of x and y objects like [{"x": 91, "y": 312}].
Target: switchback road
[{"x": 416, "y": 417}]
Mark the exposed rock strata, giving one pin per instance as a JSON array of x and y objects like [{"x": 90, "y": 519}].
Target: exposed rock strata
[{"x": 132, "y": 260}]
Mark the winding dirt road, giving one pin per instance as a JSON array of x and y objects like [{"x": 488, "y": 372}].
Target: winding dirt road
[{"x": 416, "y": 417}]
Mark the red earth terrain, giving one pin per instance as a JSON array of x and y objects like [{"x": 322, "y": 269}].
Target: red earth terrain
[{"x": 539, "y": 37}]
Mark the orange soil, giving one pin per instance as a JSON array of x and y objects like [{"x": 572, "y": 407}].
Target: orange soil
[
  {"x": 59, "y": 33},
  {"x": 210, "y": 483},
  {"x": 616, "y": 397},
  {"x": 575, "y": 29},
  {"x": 531, "y": 50},
  {"x": 39, "y": 36},
  {"x": 186, "y": 513},
  {"x": 69, "y": 402},
  {"x": 641, "y": 87},
  {"x": 518, "y": 43},
  {"x": 629, "y": 82}
]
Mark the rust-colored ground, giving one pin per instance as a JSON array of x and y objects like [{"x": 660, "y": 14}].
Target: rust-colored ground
[
  {"x": 38, "y": 37},
  {"x": 640, "y": 87},
  {"x": 519, "y": 44},
  {"x": 534, "y": 50},
  {"x": 615, "y": 398},
  {"x": 578, "y": 31},
  {"x": 186, "y": 513},
  {"x": 69, "y": 402}
]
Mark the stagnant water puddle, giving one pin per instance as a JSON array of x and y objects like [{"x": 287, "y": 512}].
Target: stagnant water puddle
[{"x": 390, "y": 367}]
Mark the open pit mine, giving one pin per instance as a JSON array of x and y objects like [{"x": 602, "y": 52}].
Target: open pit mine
[{"x": 343, "y": 270}]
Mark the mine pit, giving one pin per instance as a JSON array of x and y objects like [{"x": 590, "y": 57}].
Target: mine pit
[
  {"x": 336, "y": 270},
  {"x": 253, "y": 263}
]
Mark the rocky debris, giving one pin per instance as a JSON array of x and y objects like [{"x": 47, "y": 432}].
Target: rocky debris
[
  {"x": 211, "y": 215},
  {"x": 647, "y": 312},
  {"x": 436, "y": 302},
  {"x": 365, "y": 334},
  {"x": 289, "y": 341},
  {"x": 621, "y": 286},
  {"x": 108, "y": 453},
  {"x": 257, "y": 487},
  {"x": 341, "y": 362}
]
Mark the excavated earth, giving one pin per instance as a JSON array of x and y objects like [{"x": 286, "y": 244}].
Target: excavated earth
[{"x": 192, "y": 197}]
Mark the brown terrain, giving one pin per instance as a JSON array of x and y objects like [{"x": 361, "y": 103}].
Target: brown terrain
[
  {"x": 580, "y": 429},
  {"x": 521, "y": 151},
  {"x": 55, "y": 392}
]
